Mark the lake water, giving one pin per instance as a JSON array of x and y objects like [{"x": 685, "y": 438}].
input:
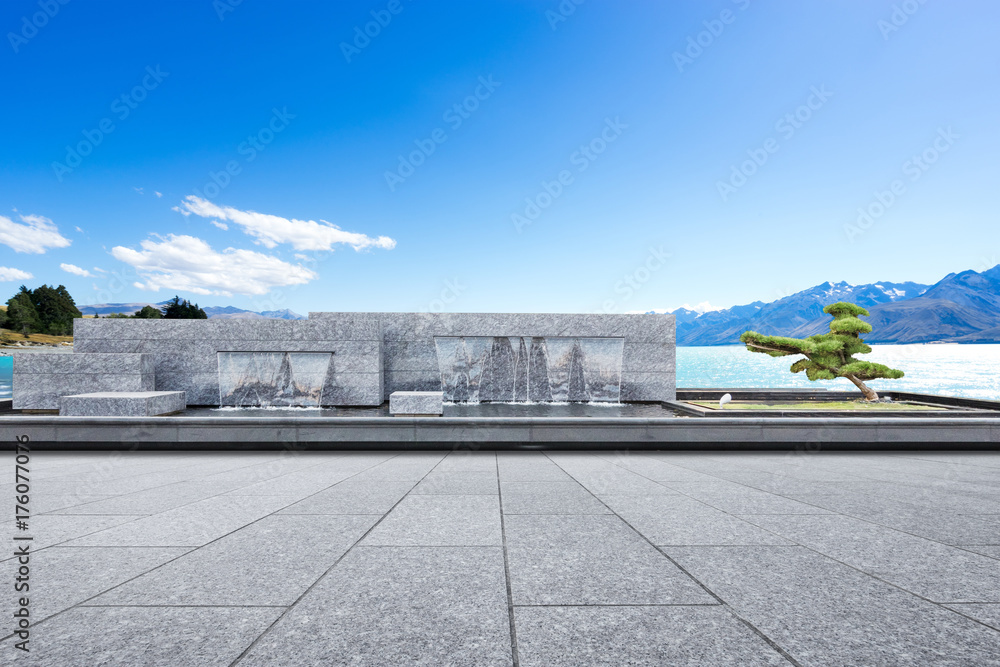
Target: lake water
[{"x": 970, "y": 371}]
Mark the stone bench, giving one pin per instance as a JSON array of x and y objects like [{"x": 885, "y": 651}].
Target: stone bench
[
  {"x": 409, "y": 403},
  {"x": 122, "y": 404}
]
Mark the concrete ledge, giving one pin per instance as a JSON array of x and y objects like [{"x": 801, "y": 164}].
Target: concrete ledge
[
  {"x": 416, "y": 403},
  {"x": 446, "y": 433},
  {"x": 123, "y": 404}
]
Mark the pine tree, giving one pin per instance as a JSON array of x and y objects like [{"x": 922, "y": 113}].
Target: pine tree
[{"x": 831, "y": 355}]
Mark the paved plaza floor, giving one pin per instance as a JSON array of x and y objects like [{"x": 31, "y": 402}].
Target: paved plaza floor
[{"x": 537, "y": 559}]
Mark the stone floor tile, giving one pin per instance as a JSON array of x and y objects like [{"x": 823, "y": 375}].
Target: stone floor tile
[
  {"x": 270, "y": 562},
  {"x": 433, "y": 606},
  {"x": 440, "y": 520},
  {"x": 61, "y": 577},
  {"x": 638, "y": 637},
  {"x": 825, "y": 613},
  {"x": 679, "y": 520},
  {"x": 593, "y": 560},
  {"x": 150, "y": 637}
]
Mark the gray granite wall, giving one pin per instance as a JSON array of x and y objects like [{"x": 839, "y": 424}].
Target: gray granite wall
[
  {"x": 185, "y": 352},
  {"x": 41, "y": 379},
  {"x": 374, "y": 354},
  {"x": 410, "y": 358}
]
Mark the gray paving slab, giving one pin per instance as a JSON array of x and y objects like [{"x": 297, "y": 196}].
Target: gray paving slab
[
  {"x": 599, "y": 476},
  {"x": 61, "y": 577},
  {"x": 930, "y": 569},
  {"x": 433, "y": 606},
  {"x": 679, "y": 520},
  {"x": 549, "y": 498},
  {"x": 440, "y": 520},
  {"x": 151, "y": 637},
  {"x": 738, "y": 499},
  {"x": 593, "y": 560},
  {"x": 932, "y": 523},
  {"x": 992, "y": 552},
  {"x": 465, "y": 461},
  {"x": 451, "y": 483},
  {"x": 984, "y": 613},
  {"x": 270, "y": 562},
  {"x": 637, "y": 636},
  {"x": 48, "y": 529},
  {"x": 191, "y": 525},
  {"x": 352, "y": 496},
  {"x": 824, "y": 613},
  {"x": 152, "y": 501},
  {"x": 528, "y": 467}
]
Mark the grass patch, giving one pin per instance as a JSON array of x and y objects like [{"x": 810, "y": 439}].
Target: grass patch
[
  {"x": 814, "y": 405},
  {"x": 8, "y": 337}
]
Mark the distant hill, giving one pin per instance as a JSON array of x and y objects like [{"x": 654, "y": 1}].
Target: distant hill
[
  {"x": 213, "y": 312},
  {"x": 962, "y": 307}
]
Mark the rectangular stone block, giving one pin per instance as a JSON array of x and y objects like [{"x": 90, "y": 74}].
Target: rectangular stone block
[
  {"x": 123, "y": 404},
  {"x": 416, "y": 403},
  {"x": 41, "y": 379}
]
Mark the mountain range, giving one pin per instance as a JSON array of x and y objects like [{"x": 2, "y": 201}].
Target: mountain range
[
  {"x": 213, "y": 312},
  {"x": 960, "y": 308}
]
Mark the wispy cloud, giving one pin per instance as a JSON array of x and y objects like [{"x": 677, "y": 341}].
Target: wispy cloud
[
  {"x": 8, "y": 274},
  {"x": 189, "y": 264},
  {"x": 270, "y": 230},
  {"x": 76, "y": 270},
  {"x": 220, "y": 225},
  {"x": 35, "y": 236}
]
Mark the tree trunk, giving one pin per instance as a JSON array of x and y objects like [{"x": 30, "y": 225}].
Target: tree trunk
[{"x": 869, "y": 393}]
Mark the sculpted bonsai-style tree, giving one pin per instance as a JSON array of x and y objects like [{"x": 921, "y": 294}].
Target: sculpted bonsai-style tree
[{"x": 831, "y": 355}]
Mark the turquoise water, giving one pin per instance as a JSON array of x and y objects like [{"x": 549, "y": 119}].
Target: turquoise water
[
  {"x": 971, "y": 371},
  {"x": 6, "y": 376}
]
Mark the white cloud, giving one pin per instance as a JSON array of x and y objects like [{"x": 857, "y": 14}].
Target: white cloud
[
  {"x": 220, "y": 225},
  {"x": 139, "y": 190},
  {"x": 37, "y": 235},
  {"x": 188, "y": 264},
  {"x": 158, "y": 194},
  {"x": 79, "y": 230},
  {"x": 270, "y": 230},
  {"x": 8, "y": 274},
  {"x": 180, "y": 210},
  {"x": 76, "y": 270}
]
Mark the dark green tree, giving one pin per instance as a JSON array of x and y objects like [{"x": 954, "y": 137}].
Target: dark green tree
[
  {"x": 182, "y": 309},
  {"x": 148, "y": 313},
  {"x": 56, "y": 310},
  {"x": 829, "y": 356},
  {"x": 3, "y": 318},
  {"x": 21, "y": 313}
]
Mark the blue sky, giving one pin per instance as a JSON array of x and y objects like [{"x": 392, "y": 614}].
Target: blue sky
[{"x": 494, "y": 156}]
